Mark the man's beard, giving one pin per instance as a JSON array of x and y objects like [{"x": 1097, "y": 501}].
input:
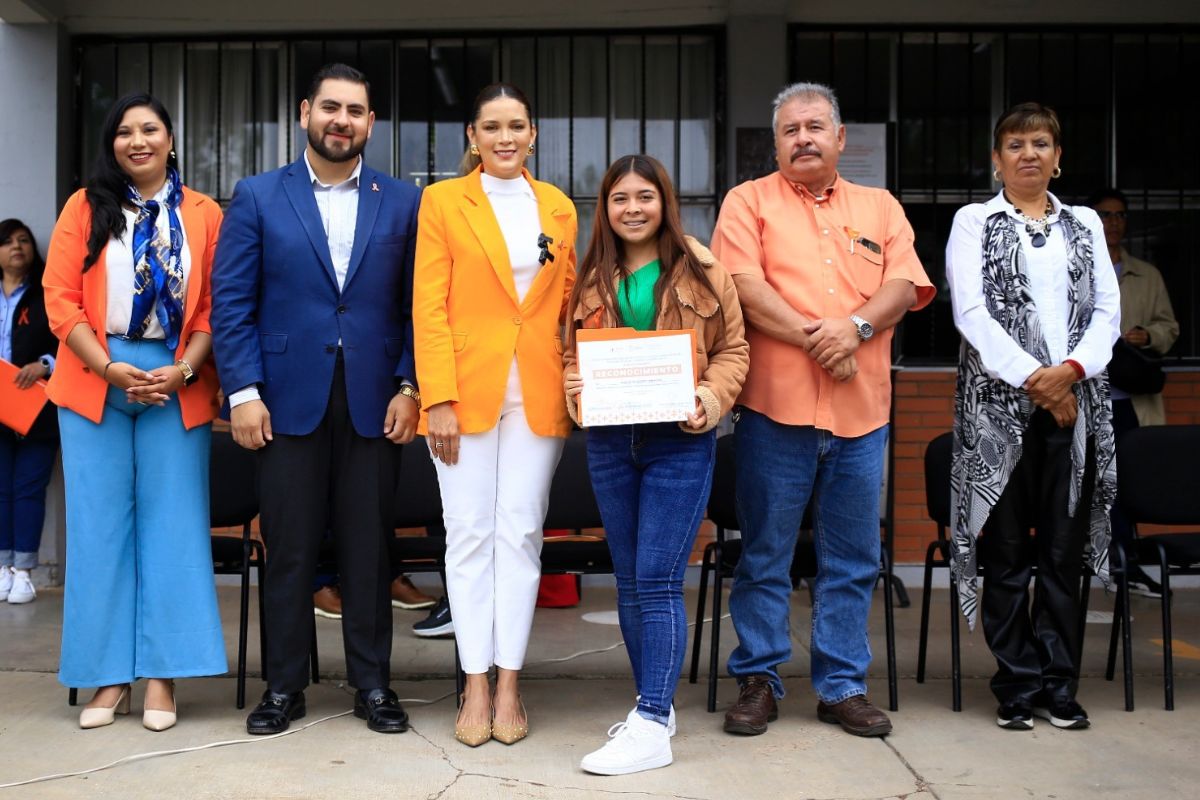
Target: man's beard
[{"x": 316, "y": 140}]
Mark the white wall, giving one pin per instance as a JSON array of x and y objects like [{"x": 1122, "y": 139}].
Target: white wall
[{"x": 29, "y": 126}]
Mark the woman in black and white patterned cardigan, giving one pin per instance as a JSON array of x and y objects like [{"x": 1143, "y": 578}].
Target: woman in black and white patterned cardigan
[{"x": 1036, "y": 301}]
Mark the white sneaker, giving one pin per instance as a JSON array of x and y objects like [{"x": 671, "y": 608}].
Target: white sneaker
[
  {"x": 22, "y": 590},
  {"x": 6, "y": 581},
  {"x": 637, "y": 744},
  {"x": 670, "y": 717}
]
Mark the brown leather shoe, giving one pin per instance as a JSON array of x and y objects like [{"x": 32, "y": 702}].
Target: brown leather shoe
[
  {"x": 327, "y": 602},
  {"x": 856, "y": 715},
  {"x": 407, "y": 596},
  {"x": 755, "y": 707}
]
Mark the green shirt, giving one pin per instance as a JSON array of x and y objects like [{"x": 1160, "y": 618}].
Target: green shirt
[{"x": 635, "y": 297}]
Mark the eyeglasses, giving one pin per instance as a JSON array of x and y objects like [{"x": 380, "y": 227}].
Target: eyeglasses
[
  {"x": 544, "y": 243},
  {"x": 1103, "y": 215}
]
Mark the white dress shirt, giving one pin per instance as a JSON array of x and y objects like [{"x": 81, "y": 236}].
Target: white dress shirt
[
  {"x": 338, "y": 206},
  {"x": 516, "y": 209},
  {"x": 119, "y": 271},
  {"x": 1046, "y": 268}
]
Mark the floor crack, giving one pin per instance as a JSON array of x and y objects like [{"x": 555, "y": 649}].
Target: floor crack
[
  {"x": 458, "y": 771},
  {"x": 922, "y": 784}
]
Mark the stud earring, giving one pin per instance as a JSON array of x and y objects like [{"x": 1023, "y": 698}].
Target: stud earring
[
  {"x": 1057, "y": 172},
  {"x": 996, "y": 175},
  {"x": 530, "y": 151},
  {"x": 172, "y": 156},
  {"x": 474, "y": 149}
]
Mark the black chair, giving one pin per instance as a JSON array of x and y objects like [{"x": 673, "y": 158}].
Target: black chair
[
  {"x": 937, "y": 502},
  {"x": 1158, "y": 478},
  {"x": 722, "y": 555},
  {"x": 233, "y": 502},
  {"x": 573, "y": 507}
]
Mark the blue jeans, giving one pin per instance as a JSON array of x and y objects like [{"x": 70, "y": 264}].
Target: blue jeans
[
  {"x": 652, "y": 483},
  {"x": 25, "y": 467},
  {"x": 779, "y": 467}
]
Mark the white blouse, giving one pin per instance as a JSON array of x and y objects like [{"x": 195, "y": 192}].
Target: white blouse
[
  {"x": 516, "y": 209},
  {"x": 1046, "y": 267},
  {"x": 119, "y": 271}
]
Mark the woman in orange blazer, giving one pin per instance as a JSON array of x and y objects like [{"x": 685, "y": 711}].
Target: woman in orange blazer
[
  {"x": 495, "y": 263},
  {"x": 127, "y": 294}
]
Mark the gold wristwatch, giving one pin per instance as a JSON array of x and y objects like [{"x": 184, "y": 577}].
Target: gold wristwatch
[
  {"x": 408, "y": 390},
  {"x": 189, "y": 374}
]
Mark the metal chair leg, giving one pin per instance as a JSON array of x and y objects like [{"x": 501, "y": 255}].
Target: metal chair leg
[
  {"x": 927, "y": 584},
  {"x": 889, "y": 623},
  {"x": 262, "y": 614},
  {"x": 1085, "y": 594},
  {"x": 72, "y": 697},
  {"x": 312, "y": 656},
  {"x": 460, "y": 678},
  {"x": 1168, "y": 645},
  {"x": 715, "y": 638},
  {"x": 243, "y": 625},
  {"x": 698, "y": 635}
]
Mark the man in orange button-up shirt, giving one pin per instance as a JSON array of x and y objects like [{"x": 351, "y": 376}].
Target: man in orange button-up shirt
[{"x": 824, "y": 270}]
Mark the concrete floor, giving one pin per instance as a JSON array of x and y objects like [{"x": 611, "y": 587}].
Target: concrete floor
[{"x": 933, "y": 753}]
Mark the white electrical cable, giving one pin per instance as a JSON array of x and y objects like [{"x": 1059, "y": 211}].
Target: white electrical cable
[{"x": 260, "y": 739}]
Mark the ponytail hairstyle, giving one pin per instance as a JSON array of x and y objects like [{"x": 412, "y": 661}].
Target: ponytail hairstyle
[
  {"x": 107, "y": 185},
  {"x": 493, "y": 91},
  {"x": 603, "y": 264}
]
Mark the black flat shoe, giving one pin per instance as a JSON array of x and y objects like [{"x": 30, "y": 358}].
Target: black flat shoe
[
  {"x": 381, "y": 709},
  {"x": 1064, "y": 714},
  {"x": 275, "y": 712}
]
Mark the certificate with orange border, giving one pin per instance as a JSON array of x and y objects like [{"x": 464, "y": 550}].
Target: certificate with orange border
[
  {"x": 631, "y": 377},
  {"x": 19, "y": 408}
]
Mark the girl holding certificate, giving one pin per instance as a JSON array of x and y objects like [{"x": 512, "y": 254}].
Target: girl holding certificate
[{"x": 652, "y": 480}]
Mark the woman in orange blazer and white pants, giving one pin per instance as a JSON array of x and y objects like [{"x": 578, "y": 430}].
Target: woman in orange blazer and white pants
[
  {"x": 127, "y": 293},
  {"x": 495, "y": 263}
]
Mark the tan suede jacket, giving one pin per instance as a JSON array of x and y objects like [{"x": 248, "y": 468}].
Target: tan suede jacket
[{"x": 722, "y": 354}]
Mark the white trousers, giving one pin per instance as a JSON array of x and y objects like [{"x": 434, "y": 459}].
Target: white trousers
[{"x": 494, "y": 503}]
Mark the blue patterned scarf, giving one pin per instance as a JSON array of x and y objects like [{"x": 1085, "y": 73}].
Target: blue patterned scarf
[
  {"x": 157, "y": 264},
  {"x": 990, "y": 416}
]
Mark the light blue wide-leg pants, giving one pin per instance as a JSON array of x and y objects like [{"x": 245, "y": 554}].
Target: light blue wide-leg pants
[{"x": 140, "y": 600}]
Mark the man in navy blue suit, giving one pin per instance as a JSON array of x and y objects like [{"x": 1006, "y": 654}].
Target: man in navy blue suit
[{"x": 312, "y": 331}]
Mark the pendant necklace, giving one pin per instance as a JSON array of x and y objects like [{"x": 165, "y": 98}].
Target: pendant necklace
[{"x": 1038, "y": 229}]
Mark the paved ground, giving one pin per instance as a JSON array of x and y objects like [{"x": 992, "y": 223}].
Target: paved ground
[{"x": 933, "y": 753}]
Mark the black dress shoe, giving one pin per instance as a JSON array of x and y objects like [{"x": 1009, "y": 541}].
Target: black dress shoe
[
  {"x": 275, "y": 712},
  {"x": 381, "y": 709}
]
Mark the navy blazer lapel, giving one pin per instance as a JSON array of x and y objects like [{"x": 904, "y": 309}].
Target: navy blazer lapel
[
  {"x": 370, "y": 195},
  {"x": 298, "y": 185}
]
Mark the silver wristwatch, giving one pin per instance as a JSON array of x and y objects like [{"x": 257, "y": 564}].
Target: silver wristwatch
[{"x": 865, "y": 329}]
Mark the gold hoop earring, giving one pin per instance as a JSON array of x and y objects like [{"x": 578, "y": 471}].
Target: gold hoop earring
[
  {"x": 1057, "y": 173},
  {"x": 996, "y": 176},
  {"x": 474, "y": 149},
  {"x": 531, "y": 151}
]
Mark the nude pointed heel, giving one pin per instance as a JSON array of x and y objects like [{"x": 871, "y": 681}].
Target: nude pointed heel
[
  {"x": 511, "y": 734},
  {"x": 472, "y": 735},
  {"x": 154, "y": 719},
  {"x": 105, "y": 715}
]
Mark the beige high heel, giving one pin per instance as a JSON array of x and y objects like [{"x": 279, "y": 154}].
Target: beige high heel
[
  {"x": 511, "y": 734},
  {"x": 154, "y": 719},
  {"x": 471, "y": 735},
  {"x": 105, "y": 715}
]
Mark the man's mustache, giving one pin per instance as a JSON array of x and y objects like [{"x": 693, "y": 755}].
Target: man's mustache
[{"x": 805, "y": 151}]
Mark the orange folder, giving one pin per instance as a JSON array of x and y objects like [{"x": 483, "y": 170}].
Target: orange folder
[{"x": 19, "y": 407}]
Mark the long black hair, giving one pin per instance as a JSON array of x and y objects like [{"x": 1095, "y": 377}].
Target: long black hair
[
  {"x": 11, "y": 227},
  {"x": 106, "y": 186}
]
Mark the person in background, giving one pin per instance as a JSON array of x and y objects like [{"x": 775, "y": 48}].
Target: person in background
[
  {"x": 1148, "y": 324},
  {"x": 1035, "y": 299},
  {"x": 495, "y": 264},
  {"x": 825, "y": 269},
  {"x": 128, "y": 295},
  {"x": 652, "y": 480},
  {"x": 25, "y": 461}
]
